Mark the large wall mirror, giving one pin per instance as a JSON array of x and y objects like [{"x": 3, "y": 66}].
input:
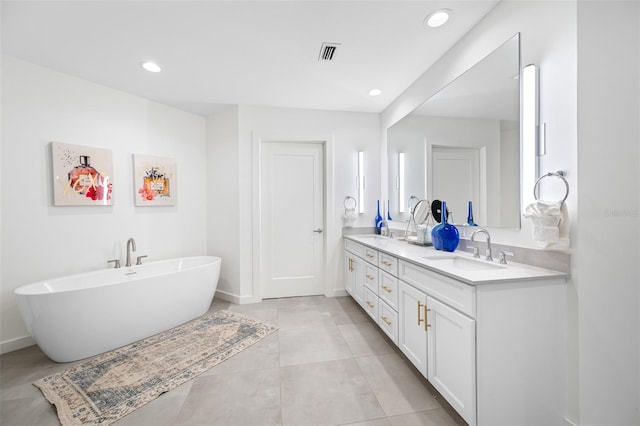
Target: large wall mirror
[{"x": 463, "y": 144}]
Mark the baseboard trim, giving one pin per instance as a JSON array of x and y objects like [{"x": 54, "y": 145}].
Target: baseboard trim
[
  {"x": 15, "y": 344},
  {"x": 234, "y": 298}
]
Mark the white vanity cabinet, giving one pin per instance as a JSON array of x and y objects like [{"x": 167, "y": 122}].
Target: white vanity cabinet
[
  {"x": 372, "y": 271},
  {"x": 492, "y": 343},
  {"x": 412, "y": 333}
]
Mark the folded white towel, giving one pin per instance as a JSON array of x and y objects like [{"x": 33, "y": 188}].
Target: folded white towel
[{"x": 546, "y": 218}]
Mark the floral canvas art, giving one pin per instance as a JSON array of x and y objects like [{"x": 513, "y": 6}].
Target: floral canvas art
[
  {"x": 155, "y": 181},
  {"x": 82, "y": 175}
]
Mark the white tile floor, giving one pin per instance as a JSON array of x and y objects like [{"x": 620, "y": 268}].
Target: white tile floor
[{"x": 328, "y": 364}]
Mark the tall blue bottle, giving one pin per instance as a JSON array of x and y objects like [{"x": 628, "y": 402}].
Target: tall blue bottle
[
  {"x": 470, "y": 221},
  {"x": 389, "y": 210},
  {"x": 378, "y": 219}
]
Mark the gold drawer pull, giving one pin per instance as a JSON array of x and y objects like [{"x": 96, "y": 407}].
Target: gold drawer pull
[
  {"x": 385, "y": 288},
  {"x": 387, "y": 263},
  {"x": 371, "y": 305},
  {"x": 426, "y": 323},
  {"x": 369, "y": 277},
  {"x": 370, "y": 256},
  {"x": 386, "y": 321},
  {"x": 420, "y": 305}
]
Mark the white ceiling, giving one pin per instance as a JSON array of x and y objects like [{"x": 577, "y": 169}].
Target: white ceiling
[{"x": 216, "y": 53}]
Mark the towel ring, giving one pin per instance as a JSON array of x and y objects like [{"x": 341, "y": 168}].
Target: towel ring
[
  {"x": 346, "y": 200},
  {"x": 559, "y": 174}
]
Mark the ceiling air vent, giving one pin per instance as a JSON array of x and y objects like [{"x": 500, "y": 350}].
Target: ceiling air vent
[{"x": 328, "y": 52}]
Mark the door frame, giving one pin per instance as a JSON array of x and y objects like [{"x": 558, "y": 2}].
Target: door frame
[{"x": 328, "y": 223}]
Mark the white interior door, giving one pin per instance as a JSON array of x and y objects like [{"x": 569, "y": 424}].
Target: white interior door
[
  {"x": 292, "y": 219},
  {"x": 456, "y": 179}
]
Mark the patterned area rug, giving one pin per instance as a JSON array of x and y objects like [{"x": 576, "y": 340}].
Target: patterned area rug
[{"x": 112, "y": 385}]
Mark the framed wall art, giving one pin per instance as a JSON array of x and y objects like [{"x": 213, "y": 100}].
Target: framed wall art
[
  {"x": 155, "y": 181},
  {"x": 82, "y": 175}
]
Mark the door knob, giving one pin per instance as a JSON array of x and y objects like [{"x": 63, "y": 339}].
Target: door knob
[{"x": 319, "y": 231}]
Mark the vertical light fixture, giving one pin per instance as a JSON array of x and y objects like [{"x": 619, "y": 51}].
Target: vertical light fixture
[
  {"x": 530, "y": 131},
  {"x": 360, "y": 182},
  {"x": 401, "y": 182}
]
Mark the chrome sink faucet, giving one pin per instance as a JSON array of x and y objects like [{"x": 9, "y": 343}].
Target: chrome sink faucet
[
  {"x": 484, "y": 231},
  {"x": 131, "y": 245}
]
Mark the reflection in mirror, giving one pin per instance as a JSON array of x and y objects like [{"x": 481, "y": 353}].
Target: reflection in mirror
[{"x": 463, "y": 144}]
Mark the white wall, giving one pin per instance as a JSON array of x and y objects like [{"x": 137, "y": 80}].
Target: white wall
[
  {"x": 607, "y": 253},
  {"x": 223, "y": 201},
  {"x": 345, "y": 132},
  {"x": 40, "y": 241}
]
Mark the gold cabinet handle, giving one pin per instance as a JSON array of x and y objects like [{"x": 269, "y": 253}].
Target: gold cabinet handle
[
  {"x": 385, "y": 288},
  {"x": 369, "y": 277},
  {"x": 386, "y": 263},
  {"x": 420, "y": 305},
  {"x": 386, "y": 321},
  {"x": 370, "y": 256},
  {"x": 426, "y": 323},
  {"x": 371, "y": 305},
  {"x": 350, "y": 265}
]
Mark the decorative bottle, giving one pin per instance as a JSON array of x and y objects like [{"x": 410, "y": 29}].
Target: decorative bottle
[
  {"x": 448, "y": 233},
  {"x": 470, "y": 221},
  {"x": 378, "y": 219},
  {"x": 83, "y": 177},
  {"x": 436, "y": 239},
  {"x": 389, "y": 210}
]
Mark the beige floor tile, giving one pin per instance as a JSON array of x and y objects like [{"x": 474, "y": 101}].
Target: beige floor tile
[
  {"x": 307, "y": 345},
  {"x": 244, "y": 398},
  {"x": 28, "y": 412},
  {"x": 327, "y": 393},
  {"x": 396, "y": 385},
  {"x": 436, "y": 417},
  {"x": 377, "y": 422},
  {"x": 365, "y": 339}
]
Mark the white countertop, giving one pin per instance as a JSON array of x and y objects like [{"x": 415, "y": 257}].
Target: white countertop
[{"x": 459, "y": 264}]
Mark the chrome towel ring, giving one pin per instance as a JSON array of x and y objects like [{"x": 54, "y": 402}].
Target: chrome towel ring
[
  {"x": 558, "y": 174},
  {"x": 350, "y": 200}
]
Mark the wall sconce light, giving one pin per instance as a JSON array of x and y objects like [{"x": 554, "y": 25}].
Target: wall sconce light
[
  {"x": 360, "y": 182},
  {"x": 401, "y": 182},
  {"x": 530, "y": 129}
]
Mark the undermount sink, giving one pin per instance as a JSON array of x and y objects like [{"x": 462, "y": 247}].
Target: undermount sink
[
  {"x": 464, "y": 263},
  {"x": 373, "y": 237}
]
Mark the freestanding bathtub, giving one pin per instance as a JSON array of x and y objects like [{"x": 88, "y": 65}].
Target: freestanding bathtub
[{"x": 82, "y": 315}]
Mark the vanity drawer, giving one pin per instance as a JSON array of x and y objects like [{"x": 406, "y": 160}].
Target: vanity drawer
[
  {"x": 371, "y": 303},
  {"x": 371, "y": 278},
  {"x": 388, "y": 321},
  {"x": 454, "y": 293},
  {"x": 388, "y": 289},
  {"x": 371, "y": 255},
  {"x": 355, "y": 248},
  {"x": 388, "y": 263}
]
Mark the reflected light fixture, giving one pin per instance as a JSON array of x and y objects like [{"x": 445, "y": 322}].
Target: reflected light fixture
[
  {"x": 151, "y": 66},
  {"x": 360, "y": 182},
  {"x": 401, "y": 182},
  {"x": 375, "y": 92},
  {"x": 438, "y": 18},
  {"x": 530, "y": 130}
]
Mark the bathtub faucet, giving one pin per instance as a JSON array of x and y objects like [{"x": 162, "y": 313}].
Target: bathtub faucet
[{"x": 131, "y": 245}]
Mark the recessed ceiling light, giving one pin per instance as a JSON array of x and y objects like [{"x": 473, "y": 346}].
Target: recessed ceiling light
[
  {"x": 375, "y": 92},
  {"x": 151, "y": 67},
  {"x": 438, "y": 18}
]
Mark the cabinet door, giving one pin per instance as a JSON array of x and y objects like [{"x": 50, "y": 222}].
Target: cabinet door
[
  {"x": 452, "y": 357},
  {"x": 354, "y": 277},
  {"x": 412, "y": 331}
]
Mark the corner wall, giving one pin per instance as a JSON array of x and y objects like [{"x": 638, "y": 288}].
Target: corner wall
[{"x": 40, "y": 241}]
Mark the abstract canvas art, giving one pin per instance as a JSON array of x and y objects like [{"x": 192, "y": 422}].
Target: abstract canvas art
[
  {"x": 82, "y": 175},
  {"x": 155, "y": 181}
]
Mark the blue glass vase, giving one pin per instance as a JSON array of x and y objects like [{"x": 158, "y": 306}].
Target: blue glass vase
[
  {"x": 448, "y": 233},
  {"x": 470, "y": 221},
  {"x": 435, "y": 236},
  {"x": 389, "y": 210},
  {"x": 378, "y": 219}
]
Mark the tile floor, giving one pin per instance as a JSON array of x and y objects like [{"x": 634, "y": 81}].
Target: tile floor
[{"x": 328, "y": 364}]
